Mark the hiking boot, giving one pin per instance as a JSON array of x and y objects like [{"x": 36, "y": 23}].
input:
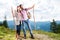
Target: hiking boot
[
  {"x": 24, "y": 37},
  {"x": 32, "y": 36}
]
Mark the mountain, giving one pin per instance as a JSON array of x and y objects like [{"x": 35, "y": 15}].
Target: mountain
[
  {"x": 39, "y": 25},
  {"x": 42, "y": 25}
]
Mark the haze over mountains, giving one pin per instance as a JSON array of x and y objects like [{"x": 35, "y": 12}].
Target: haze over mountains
[{"x": 39, "y": 25}]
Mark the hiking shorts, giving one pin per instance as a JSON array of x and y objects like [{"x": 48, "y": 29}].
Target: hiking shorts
[{"x": 18, "y": 29}]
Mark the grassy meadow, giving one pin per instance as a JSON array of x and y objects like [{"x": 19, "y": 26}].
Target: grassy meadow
[{"x": 7, "y": 34}]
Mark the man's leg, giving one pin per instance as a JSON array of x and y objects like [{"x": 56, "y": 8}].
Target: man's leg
[
  {"x": 29, "y": 27},
  {"x": 24, "y": 30}
]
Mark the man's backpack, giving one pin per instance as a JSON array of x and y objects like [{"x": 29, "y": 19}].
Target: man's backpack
[{"x": 28, "y": 15}]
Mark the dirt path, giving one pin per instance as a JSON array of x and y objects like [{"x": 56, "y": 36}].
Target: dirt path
[{"x": 39, "y": 37}]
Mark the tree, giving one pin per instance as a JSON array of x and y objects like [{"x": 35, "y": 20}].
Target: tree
[
  {"x": 58, "y": 28},
  {"x": 5, "y": 22},
  {"x": 53, "y": 26}
]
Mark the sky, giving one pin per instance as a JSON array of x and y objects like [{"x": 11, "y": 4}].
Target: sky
[{"x": 44, "y": 10}]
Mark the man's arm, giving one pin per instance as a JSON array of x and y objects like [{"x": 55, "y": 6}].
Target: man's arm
[{"x": 30, "y": 7}]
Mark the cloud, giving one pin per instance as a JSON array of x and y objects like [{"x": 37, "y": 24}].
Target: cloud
[{"x": 45, "y": 10}]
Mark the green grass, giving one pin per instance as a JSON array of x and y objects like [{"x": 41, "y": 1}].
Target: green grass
[
  {"x": 5, "y": 33},
  {"x": 8, "y": 34}
]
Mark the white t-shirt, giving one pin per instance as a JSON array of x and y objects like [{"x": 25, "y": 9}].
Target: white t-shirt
[{"x": 17, "y": 18}]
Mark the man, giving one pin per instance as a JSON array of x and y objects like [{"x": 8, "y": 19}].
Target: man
[{"x": 25, "y": 19}]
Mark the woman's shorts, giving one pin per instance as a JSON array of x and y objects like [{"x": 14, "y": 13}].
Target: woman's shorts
[{"x": 18, "y": 29}]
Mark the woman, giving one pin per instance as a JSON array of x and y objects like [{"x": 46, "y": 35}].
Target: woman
[{"x": 17, "y": 18}]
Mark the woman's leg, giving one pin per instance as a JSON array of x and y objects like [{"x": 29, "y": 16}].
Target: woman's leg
[
  {"x": 18, "y": 31},
  {"x": 20, "y": 26}
]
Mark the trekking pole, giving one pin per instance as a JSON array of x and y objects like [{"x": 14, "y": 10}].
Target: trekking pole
[
  {"x": 34, "y": 19},
  {"x": 13, "y": 20}
]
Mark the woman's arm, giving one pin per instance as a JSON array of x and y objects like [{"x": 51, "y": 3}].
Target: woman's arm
[{"x": 13, "y": 11}]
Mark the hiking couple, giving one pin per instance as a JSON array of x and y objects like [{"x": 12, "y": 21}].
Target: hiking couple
[{"x": 22, "y": 16}]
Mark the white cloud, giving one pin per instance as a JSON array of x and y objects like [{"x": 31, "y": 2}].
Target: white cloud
[{"x": 45, "y": 10}]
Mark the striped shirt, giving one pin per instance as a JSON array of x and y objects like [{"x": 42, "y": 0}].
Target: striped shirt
[{"x": 24, "y": 14}]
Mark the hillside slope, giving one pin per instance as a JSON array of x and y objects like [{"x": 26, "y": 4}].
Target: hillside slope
[{"x": 7, "y": 34}]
